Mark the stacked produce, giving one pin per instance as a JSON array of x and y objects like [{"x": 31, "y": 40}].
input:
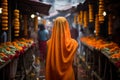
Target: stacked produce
[
  {"x": 16, "y": 22},
  {"x": 110, "y": 48},
  {"x": 101, "y": 44},
  {"x": 4, "y": 15},
  {"x": 10, "y": 50},
  {"x": 93, "y": 42}
]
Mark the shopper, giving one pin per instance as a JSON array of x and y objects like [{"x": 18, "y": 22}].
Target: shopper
[
  {"x": 60, "y": 52},
  {"x": 42, "y": 38},
  {"x": 74, "y": 33}
]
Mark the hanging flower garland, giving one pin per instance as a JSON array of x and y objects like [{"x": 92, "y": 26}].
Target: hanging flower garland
[
  {"x": 4, "y": 15},
  {"x": 91, "y": 16},
  {"x": 36, "y": 23},
  {"x": 85, "y": 19},
  {"x": 16, "y": 22},
  {"x": 110, "y": 24},
  {"x": 101, "y": 10},
  {"x": 75, "y": 19},
  {"x": 80, "y": 17},
  {"x": 97, "y": 27}
]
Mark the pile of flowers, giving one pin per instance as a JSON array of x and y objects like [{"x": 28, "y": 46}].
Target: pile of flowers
[
  {"x": 10, "y": 50},
  {"x": 108, "y": 47}
]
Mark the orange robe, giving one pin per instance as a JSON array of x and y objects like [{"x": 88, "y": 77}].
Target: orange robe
[{"x": 60, "y": 53}]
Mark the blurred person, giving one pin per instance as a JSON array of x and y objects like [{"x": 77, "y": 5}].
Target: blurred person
[
  {"x": 4, "y": 37},
  {"x": 33, "y": 35},
  {"x": 61, "y": 49},
  {"x": 74, "y": 33},
  {"x": 42, "y": 38}
]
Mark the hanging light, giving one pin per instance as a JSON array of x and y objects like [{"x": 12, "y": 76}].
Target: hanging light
[
  {"x": 104, "y": 13},
  {"x": 39, "y": 18},
  {"x": 0, "y": 10},
  {"x": 32, "y": 16},
  {"x": 48, "y": 22}
]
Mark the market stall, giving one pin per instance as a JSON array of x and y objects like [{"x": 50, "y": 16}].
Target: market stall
[
  {"x": 10, "y": 53},
  {"x": 101, "y": 58},
  {"x": 99, "y": 48},
  {"x": 16, "y": 47}
]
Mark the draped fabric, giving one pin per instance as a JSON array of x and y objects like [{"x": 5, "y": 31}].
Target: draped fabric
[{"x": 60, "y": 52}]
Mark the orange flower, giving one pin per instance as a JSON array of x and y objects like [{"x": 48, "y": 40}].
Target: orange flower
[{"x": 3, "y": 54}]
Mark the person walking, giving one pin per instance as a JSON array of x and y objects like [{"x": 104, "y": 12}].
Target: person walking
[
  {"x": 61, "y": 49},
  {"x": 42, "y": 38}
]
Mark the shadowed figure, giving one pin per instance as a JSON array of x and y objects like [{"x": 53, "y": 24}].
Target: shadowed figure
[{"x": 42, "y": 39}]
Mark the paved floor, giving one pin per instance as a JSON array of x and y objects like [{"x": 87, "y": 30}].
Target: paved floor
[{"x": 80, "y": 73}]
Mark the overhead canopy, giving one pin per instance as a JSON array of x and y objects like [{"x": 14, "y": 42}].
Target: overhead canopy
[{"x": 29, "y": 7}]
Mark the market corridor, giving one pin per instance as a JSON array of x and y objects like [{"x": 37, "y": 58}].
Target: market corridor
[
  {"x": 94, "y": 24},
  {"x": 79, "y": 71}
]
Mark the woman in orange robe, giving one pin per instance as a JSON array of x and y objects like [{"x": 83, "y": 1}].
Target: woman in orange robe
[{"x": 61, "y": 50}]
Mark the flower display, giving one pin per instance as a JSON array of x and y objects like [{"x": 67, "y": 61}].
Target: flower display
[{"x": 10, "y": 50}]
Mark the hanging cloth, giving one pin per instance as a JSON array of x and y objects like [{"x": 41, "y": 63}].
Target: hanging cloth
[{"x": 61, "y": 50}]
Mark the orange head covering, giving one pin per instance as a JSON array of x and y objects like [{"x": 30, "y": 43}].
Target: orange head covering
[{"x": 61, "y": 50}]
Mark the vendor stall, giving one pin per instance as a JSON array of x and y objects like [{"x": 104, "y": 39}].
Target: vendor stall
[
  {"x": 11, "y": 53},
  {"x": 100, "y": 46},
  {"x": 100, "y": 58},
  {"x": 16, "y": 47}
]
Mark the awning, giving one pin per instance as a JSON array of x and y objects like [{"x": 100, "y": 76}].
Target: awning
[
  {"x": 29, "y": 7},
  {"x": 64, "y": 7}
]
